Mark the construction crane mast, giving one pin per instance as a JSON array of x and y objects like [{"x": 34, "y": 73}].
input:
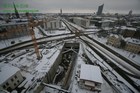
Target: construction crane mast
[{"x": 32, "y": 23}]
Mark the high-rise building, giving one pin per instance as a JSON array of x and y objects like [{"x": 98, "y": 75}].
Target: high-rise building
[{"x": 100, "y": 9}]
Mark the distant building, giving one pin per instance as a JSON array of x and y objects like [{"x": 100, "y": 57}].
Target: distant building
[
  {"x": 95, "y": 21},
  {"x": 100, "y": 10},
  {"x": 12, "y": 30},
  {"x": 128, "y": 31},
  {"x": 129, "y": 44},
  {"x": 132, "y": 45},
  {"x": 114, "y": 40},
  {"x": 81, "y": 22},
  {"x": 135, "y": 23},
  {"x": 137, "y": 33},
  {"x": 107, "y": 23},
  {"x": 10, "y": 77},
  {"x": 52, "y": 24},
  {"x": 88, "y": 80}
]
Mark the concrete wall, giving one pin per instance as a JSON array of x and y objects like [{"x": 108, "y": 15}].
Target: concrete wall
[{"x": 51, "y": 73}]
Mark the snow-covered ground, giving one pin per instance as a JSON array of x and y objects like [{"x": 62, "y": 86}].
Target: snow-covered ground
[
  {"x": 31, "y": 68},
  {"x": 7, "y": 42},
  {"x": 57, "y": 32},
  {"x": 105, "y": 88},
  {"x": 74, "y": 87},
  {"x": 110, "y": 73}
]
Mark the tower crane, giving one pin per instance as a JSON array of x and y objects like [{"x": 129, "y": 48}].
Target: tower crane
[{"x": 32, "y": 24}]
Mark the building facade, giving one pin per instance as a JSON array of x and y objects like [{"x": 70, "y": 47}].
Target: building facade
[
  {"x": 128, "y": 32},
  {"x": 52, "y": 24},
  {"x": 81, "y": 22},
  {"x": 11, "y": 79},
  {"x": 13, "y": 30},
  {"x": 91, "y": 81},
  {"x": 132, "y": 45},
  {"x": 100, "y": 10},
  {"x": 133, "y": 48},
  {"x": 114, "y": 40}
]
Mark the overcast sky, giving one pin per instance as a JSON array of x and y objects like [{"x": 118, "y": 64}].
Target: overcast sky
[{"x": 74, "y": 6}]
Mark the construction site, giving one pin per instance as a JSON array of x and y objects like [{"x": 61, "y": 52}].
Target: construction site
[{"x": 68, "y": 53}]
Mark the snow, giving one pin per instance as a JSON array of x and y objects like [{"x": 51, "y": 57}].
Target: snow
[
  {"x": 6, "y": 71},
  {"x": 74, "y": 87},
  {"x": 86, "y": 74},
  {"x": 37, "y": 33},
  {"x": 94, "y": 30},
  {"x": 132, "y": 40},
  {"x": 7, "y": 42},
  {"x": 111, "y": 74},
  {"x": 123, "y": 52},
  {"x": 33, "y": 69},
  {"x": 57, "y": 32},
  {"x": 114, "y": 35},
  {"x": 129, "y": 28},
  {"x": 48, "y": 61},
  {"x": 106, "y": 21}
]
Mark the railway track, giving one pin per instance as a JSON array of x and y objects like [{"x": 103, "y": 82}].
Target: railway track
[
  {"x": 134, "y": 69},
  {"x": 39, "y": 41}
]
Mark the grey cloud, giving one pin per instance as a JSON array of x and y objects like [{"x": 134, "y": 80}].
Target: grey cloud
[{"x": 110, "y": 5}]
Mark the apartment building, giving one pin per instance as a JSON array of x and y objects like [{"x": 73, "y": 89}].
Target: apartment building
[
  {"x": 132, "y": 45},
  {"x": 114, "y": 40},
  {"x": 83, "y": 22},
  {"x": 12, "y": 30},
  {"x": 91, "y": 81},
  {"x": 10, "y": 77}
]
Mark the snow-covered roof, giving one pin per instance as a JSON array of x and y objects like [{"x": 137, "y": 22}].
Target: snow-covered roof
[
  {"x": 114, "y": 35},
  {"x": 6, "y": 71},
  {"x": 107, "y": 20},
  {"x": 80, "y": 18},
  {"x": 13, "y": 23},
  {"x": 129, "y": 28},
  {"x": 132, "y": 40},
  {"x": 90, "y": 73}
]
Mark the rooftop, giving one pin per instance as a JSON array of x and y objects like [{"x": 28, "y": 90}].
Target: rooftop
[
  {"x": 129, "y": 28},
  {"x": 6, "y": 71},
  {"x": 132, "y": 40},
  {"x": 86, "y": 74}
]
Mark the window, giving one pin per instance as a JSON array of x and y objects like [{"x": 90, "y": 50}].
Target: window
[
  {"x": 4, "y": 86},
  {"x": 15, "y": 77},
  {"x": 18, "y": 81},
  {"x": 7, "y": 84},
  {"x": 9, "y": 89},
  {"x": 12, "y": 79},
  {"x": 15, "y": 84}
]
